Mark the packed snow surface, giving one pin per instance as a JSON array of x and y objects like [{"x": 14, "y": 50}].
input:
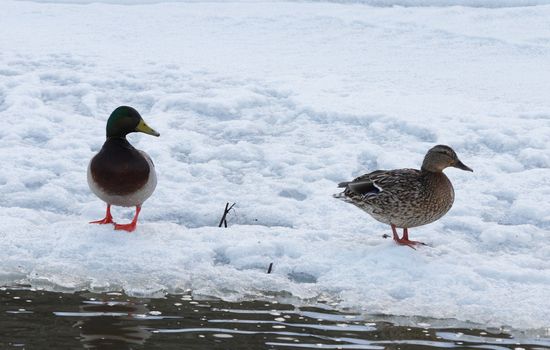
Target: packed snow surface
[
  {"x": 386, "y": 3},
  {"x": 270, "y": 105}
]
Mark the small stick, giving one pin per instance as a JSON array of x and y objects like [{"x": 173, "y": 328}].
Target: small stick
[
  {"x": 227, "y": 209},
  {"x": 270, "y": 268},
  {"x": 224, "y": 214}
]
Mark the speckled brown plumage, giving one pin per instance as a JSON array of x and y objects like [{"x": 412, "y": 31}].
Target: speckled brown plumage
[{"x": 406, "y": 197}]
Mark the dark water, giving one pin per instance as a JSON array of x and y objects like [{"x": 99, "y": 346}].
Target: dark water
[{"x": 32, "y": 319}]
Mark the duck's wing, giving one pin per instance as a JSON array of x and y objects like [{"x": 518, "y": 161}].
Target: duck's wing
[{"x": 379, "y": 181}]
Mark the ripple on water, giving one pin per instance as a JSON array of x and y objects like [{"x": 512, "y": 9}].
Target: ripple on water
[{"x": 122, "y": 322}]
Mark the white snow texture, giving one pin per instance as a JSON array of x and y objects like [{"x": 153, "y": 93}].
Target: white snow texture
[{"x": 270, "y": 105}]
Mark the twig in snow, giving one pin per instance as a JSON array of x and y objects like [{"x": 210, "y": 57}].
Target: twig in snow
[{"x": 227, "y": 209}]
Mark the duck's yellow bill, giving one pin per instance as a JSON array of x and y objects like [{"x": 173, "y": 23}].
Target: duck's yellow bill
[{"x": 142, "y": 127}]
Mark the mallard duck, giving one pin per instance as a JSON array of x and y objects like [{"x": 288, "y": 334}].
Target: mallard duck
[
  {"x": 406, "y": 198},
  {"x": 120, "y": 174}
]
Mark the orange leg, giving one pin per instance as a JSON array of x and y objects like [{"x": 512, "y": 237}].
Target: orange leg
[
  {"x": 405, "y": 239},
  {"x": 108, "y": 218},
  {"x": 131, "y": 226}
]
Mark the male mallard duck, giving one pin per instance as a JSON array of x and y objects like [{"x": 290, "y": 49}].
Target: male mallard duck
[
  {"x": 406, "y": 197},
  {"x": 120, "y": 174}
]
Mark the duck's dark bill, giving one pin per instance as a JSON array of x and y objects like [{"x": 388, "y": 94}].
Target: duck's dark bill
[
  {"x": 462, "y": 166},
  {"x": 143, "y": 127}
]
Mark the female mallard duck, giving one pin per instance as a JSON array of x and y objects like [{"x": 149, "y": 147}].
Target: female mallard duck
[
  {"x": 406, "y": 197},
  {"x": 120, "y": 174}
]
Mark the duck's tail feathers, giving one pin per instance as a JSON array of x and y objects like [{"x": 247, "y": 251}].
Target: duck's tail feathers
[{"x": 340, "y": 195}]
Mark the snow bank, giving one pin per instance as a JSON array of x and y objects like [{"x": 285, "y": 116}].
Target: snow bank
[
  {"x": 270, "y": 106},
  {"x": 384, "y": 3},
  {"x": 472, "y": 3}
]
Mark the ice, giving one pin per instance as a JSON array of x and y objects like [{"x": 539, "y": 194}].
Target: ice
[{"x": 270, "y": 105}]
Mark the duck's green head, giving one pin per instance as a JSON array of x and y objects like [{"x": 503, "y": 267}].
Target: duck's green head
[
  {"x": 125, "y": 120},
  {"x": 441, "y": 157}
]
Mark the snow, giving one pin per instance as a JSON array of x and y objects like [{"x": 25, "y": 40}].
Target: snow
[
  {"x": 270, "y": 105},
  {"x": 384, "y": 3}
]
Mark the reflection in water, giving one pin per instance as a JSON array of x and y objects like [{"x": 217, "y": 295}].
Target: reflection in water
[
  {"x": 37, "y": 319},
  {"x": 108, "y": 324}
]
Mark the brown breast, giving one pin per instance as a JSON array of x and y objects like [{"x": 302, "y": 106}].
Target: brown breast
[
  {"x": 119, "y": 168},
  {"x": 439, "y": 194}
]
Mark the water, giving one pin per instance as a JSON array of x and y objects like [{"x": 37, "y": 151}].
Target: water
[{"x": 31, "y": 319}]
